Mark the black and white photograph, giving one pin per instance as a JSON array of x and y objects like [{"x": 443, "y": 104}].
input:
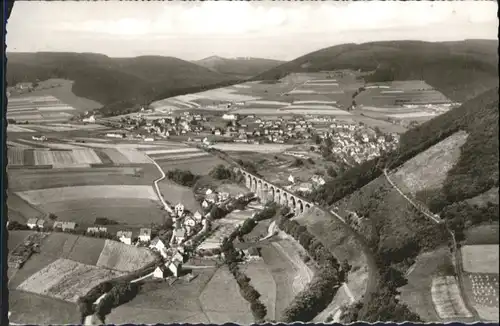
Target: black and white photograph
[{"x": 250, "y": 162}]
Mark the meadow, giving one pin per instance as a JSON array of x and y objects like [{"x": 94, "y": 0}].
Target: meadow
[{"x": 124, "y": 258}]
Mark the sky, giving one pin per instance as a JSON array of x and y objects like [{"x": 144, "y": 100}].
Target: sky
[{"x": 274, "y": 30}]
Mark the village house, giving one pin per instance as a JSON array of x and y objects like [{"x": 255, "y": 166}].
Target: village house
[
  {"x": 175, "y": 267},
  {"x": 125, "y": 237},
  {"x": 211, "y": 198},
  {"x": 205, "y": 204},
  {"x": 64, "y": 226},
  {"x": 189, "y": 222},
  {"x": 222, "y": 196},
  {"x": 197, "y": 217},
  {"x": 32, "y": 223},
  {"x": 160, "y": 272},
  {"x": 178, "y": 236},
  {"x": 178, "y": 256},
  {"x": 90, "y": 119},
  {"x": 179, "y": 210},
  {"x": 157, "y": 244},
  {"x": 145, "y": 234},
  {"x": 251, "y": 253}
]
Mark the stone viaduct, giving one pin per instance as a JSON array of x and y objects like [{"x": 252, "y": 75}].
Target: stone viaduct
[{"x": 269, "y": 192}]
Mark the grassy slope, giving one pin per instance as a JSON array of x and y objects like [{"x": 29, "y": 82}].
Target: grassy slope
[
  {"x": 238, "y": 66},
  {"x": 460, "y": 70},
  {"x": 112, "y": 81}
]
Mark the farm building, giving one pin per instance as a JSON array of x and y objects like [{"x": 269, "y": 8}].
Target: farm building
[
  {"x": 145, "y": 234},
  {"x": 229, "y": 117},
  {"x": 157, "y": 244},
  {"x": 125, "y": 237},
  {"x": 223, "y": 196},
  {"x": 160, "y": 272},
  {"x": 96, "y": 229},
  {"x": 32, "y": 223},
  {"x": 65, "y": 226},
  {"x": 175, "y": 267},
  {"x": 178, "y": 256},
  {"x": 40, "y": 223}
]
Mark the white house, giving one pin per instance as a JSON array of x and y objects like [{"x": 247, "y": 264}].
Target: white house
[
  {"x": 160, "y": 272},
  {"x": 32, "y": 223},
  {"x": 291, "y": 179},
  {"x": 178, "y": 256},
  {"x": 175, "y": 267},
  {"x": 223, "y": 196},
  {"x": 40, "y": 223},
  {"x": 205, "y": 204},
  {"x": 125, "y": 237},
  {"x": 64, "y": 225},
  {"x": 157, "y": 244},
  {"x": 90, "y": 119},
  {"x": 208, "y": 192},
  {"x": 229, "y": 117},
  {"x": 189, "y": 221},
  {"x": 179, "y": 210},
  {"x": 197, "y": 216},
  {"x": 145, "y": 234}
]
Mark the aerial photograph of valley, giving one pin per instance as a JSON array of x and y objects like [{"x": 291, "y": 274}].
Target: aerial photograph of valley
[{"x": 251, "y": 162}]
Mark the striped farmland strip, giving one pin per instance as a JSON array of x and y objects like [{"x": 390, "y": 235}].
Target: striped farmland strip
[
  {"x": 105, "y": 159},
  {"x": 172, "y": 151},
  {"x": 134, "y": 156},
  {"x": 179, "y": 157},
  {"x": 15, "y": 156},
  {"x": 86, "y": 156},
  {"x": 115, "y": 156},
  {"x": 29, "y": 158},
  {"x": 43, "y": 158}
]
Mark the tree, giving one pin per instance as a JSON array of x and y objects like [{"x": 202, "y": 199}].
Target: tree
[
  {"x": 52, "y": 216},
  {"x": 259, "y": 311},
  {"x": 331, "y": 172}
]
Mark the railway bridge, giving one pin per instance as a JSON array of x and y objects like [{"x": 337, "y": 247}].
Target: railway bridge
[{"x": 270, "y": 192}]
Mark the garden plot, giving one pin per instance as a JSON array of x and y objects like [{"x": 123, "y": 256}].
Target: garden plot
[
  {"x": 55, "y": 108},
  {"x": 219, "y": 94},
  {"x": 125, "y": 258},
  {"x": 447, "y": 299},
  {"x": 480, "y": 258},
  {"x": 66, "y": 279},
  {"x": 43, "y": 196},
  {"x": 484, "y": 289}
]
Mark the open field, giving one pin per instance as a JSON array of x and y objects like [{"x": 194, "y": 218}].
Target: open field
[
  {"x": 200, "y": 165},
  {"x": 224, "y": 287},
  {"x": 16, "y": 128},
  {"x": 49, "y": 195},
  {"x": 33, "y": 179},
  {"x": 174, "y": 194},
  {"x": 129, "y": 211},
  {"x": 262, "y": 280},
  {"x": 65, "y": 279},
  {"x": 42, "y": 310},
  {"x": 429, "y": 169},
  {"x": 480, "y": 258},
  {"x": 486, "y": 234},
  {"x": 122, "y": 257},
  {"x": 19, "y": 210},
  {"x": 488, "y": 196},
  {"x": 86, "y": 250},
  {"x": 447, "y": 300},
  {"x": 16, "y": 237},
  {"x": 334, "y": 308},
  {"x": 38, "y": 108},
  {"x": 417, "y": 293},
  {"x": 197, "y": 301},
  {"x": 61, "y": 90}
]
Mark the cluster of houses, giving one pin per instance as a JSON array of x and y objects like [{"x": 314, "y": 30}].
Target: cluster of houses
[{"x": 352, "y": 142}]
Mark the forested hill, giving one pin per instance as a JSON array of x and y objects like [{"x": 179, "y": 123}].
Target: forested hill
[
  {"x": 460, "y": 70},
  {"x": 475, "y": 172},
  {"x": 117, "y": 83},
  {"x": 238, "y": 67}
]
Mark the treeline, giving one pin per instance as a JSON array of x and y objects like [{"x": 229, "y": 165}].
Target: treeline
[
  {"x": 222, "y": 172},
  {"x": 320, "y": 292},
  {"x": 478, "y": 117},
  {"x": 183, "y": 177},
  {"x": 119, "y": 290}
]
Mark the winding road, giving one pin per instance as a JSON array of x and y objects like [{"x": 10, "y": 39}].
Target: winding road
[{"x": 166, "y": 206}]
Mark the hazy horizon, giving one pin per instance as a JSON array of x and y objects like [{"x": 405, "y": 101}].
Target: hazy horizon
[{"x": 272, "y": 30}]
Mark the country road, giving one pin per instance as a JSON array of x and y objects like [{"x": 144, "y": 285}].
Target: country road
[{"x": 158, "y": 193}]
